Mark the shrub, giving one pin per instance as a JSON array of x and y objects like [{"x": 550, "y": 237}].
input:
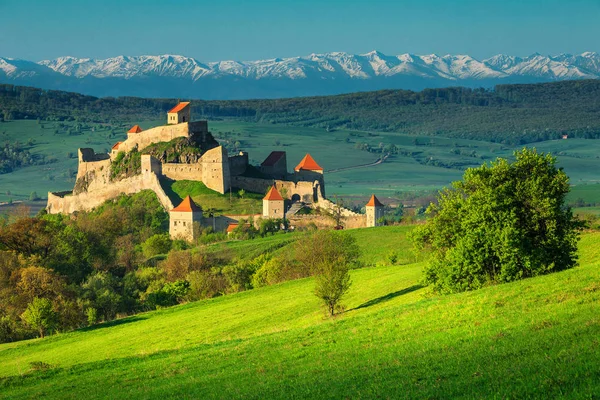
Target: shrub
[
  {"x": 502, "y": 222},
  {"x": 156, "y": 244}
]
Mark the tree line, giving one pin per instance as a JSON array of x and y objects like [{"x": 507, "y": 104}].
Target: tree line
[{"x": 512, "y": 114}]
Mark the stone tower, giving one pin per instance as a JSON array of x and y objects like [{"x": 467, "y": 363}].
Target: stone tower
[
  {"x": 374, "y": 210},
  {"x": 273, "y": 204},
  {"x": 183, "y": 218},
  {"x": 179, "y": 114}
]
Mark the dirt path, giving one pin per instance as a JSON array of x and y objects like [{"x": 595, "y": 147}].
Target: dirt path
[{"x": 379, "y": 161}]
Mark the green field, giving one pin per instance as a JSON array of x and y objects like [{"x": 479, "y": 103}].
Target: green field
[
  {"x": 537, "y": 338},
  {"x": 418, "y": 170}
]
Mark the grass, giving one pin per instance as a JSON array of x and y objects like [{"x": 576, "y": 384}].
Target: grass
[
  {"x": 229, "y": 203},
  {"x": 537, "y": 338}
]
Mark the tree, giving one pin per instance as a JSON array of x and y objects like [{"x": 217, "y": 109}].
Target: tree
[
  {"x": 501, "y": 223},
  {"x": 328, "y": 255},
  {"x": 40, "y": 315},
  {"x": 331, "y": 283},
  {"x": 157, "y": 244}
]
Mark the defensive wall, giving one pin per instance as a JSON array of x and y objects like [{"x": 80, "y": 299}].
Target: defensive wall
[
  {"x": 297, "y": 191},
  {"x": 69, "y": 203},
  {"x": 159, "y": 134},
  {"x": 323, "y": 222}
]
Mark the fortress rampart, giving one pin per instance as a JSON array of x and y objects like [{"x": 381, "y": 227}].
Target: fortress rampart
[
  {"x": 70, "y": 203},
  {"x": 165, "y": 133}
]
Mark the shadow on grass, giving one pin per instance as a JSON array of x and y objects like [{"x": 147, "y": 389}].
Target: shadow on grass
[
  {"x": 388, "y": 296},
  {"x": 111, "y": 324},
  {"x": 167, "y": 185}
]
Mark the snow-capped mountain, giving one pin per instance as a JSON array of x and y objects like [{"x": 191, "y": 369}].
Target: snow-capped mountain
[{"x": 315, "y": 74}]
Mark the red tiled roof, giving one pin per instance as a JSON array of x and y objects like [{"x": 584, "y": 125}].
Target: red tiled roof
[
  {"x": 187, "y": 205},
  {"x": 309, "y": 164},
  {"x": 179, "y": 107},
  {"x": 374, "y": 202},
  {"x": 135, "y": 129},
  {"x": 273, "y": 158},
  {"x": 273, "y": 194},
  {"x": 116, "y": 145},
  {"x": 231, "y": 227}
]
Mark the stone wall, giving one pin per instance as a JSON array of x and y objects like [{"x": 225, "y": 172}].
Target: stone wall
[
  {"x": 332, "y": 207},
  {"x": 178, "y": 172},
  {"x": 161, "y": 134},
  {"x": 322, "y": 222},
  {"x": 215, "y": 169},
  {"x": 305, "y": 191},
  {"x": 67, "y": 204},
  {"x": 90, "y": 161},
  {"x": 222, "y": 222},
  {"x": 238, "y": 163}
]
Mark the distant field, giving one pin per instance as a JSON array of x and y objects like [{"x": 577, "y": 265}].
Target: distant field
[
  {"x": 421, "y": 169},
  {"x": 536, "y": 338}
]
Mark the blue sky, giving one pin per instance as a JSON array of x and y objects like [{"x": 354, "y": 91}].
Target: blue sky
[{"x": 248, "y": 30}]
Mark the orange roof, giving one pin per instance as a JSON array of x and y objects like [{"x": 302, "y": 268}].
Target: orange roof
[
  {"x": 374, "y": 202},
  {"x": 179, "y": 107},
  {"x": 231, "y": 227},
  {"x": 116, "y": 145},
  {"x": 135, "y": 129},
  {"x": 187, "y": 205},
  {"x": 308, "y": 163},
  {"x": 273, "y": 194}
]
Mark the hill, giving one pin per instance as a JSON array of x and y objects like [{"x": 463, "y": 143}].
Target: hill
[
  {"x": 535, "y": 338},
  {"x": 510, "y": 114}
]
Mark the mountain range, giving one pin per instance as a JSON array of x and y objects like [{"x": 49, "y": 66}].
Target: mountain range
[{"x": 315, "y": 74}]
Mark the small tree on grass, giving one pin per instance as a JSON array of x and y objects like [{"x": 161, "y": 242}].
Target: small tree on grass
[
  {"x": 328, "y": 255},
  {"x": 40, "y": 316},
  {"x": 332, "y": 281},
  {"x": 501, "y": 223}
]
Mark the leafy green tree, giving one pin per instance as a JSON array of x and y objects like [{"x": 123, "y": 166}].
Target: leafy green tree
[
  {"x": 100, "y": 293},
  {"x": 329, "y": 256},
  {"x": 40, "y": 316},
  {"x": 157, "y": 244},
  {"x": 501, "y": 223}
]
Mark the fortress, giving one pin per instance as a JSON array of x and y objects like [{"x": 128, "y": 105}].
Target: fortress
[{"x": 101, "y": 177}]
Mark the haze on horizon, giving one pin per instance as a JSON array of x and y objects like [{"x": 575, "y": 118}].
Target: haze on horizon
[{"x": 242, "y": 30}]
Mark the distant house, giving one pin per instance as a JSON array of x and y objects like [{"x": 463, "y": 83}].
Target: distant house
[
  {"x": 180, "y": 113},
  {"x": 565, "y": 136},
  {"x": 275, "y": 165}
]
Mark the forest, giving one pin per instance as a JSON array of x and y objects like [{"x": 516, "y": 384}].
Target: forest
[{"x": 511, "y": 114}]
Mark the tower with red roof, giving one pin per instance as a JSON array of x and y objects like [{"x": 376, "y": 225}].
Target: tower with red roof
[
  {"x": 374, "y": 210},
  {"x": 183, "y": 219},
  {"x": 273, "y": 204},
  {"x": 180, "y": 113}
]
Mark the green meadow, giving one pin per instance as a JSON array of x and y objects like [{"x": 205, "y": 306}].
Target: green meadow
[
  {"x": 536, "y": 338},
  {"x": 426, "y": 164}
]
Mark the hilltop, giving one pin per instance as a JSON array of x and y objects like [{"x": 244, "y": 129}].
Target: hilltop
[
  {"x": 533, "y": 338},
  {"x": 510, "y": 114}
]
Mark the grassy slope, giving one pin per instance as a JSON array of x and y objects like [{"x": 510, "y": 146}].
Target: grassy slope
[{"x": 534, "y": 338}]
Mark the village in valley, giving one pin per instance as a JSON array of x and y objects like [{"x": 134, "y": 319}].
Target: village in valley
[{"x": 286, "y": 193}]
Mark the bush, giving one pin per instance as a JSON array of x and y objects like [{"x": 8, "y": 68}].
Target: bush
[
  {"x": 156, "y": 244},
  {"x": 502, "y": 222}
]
